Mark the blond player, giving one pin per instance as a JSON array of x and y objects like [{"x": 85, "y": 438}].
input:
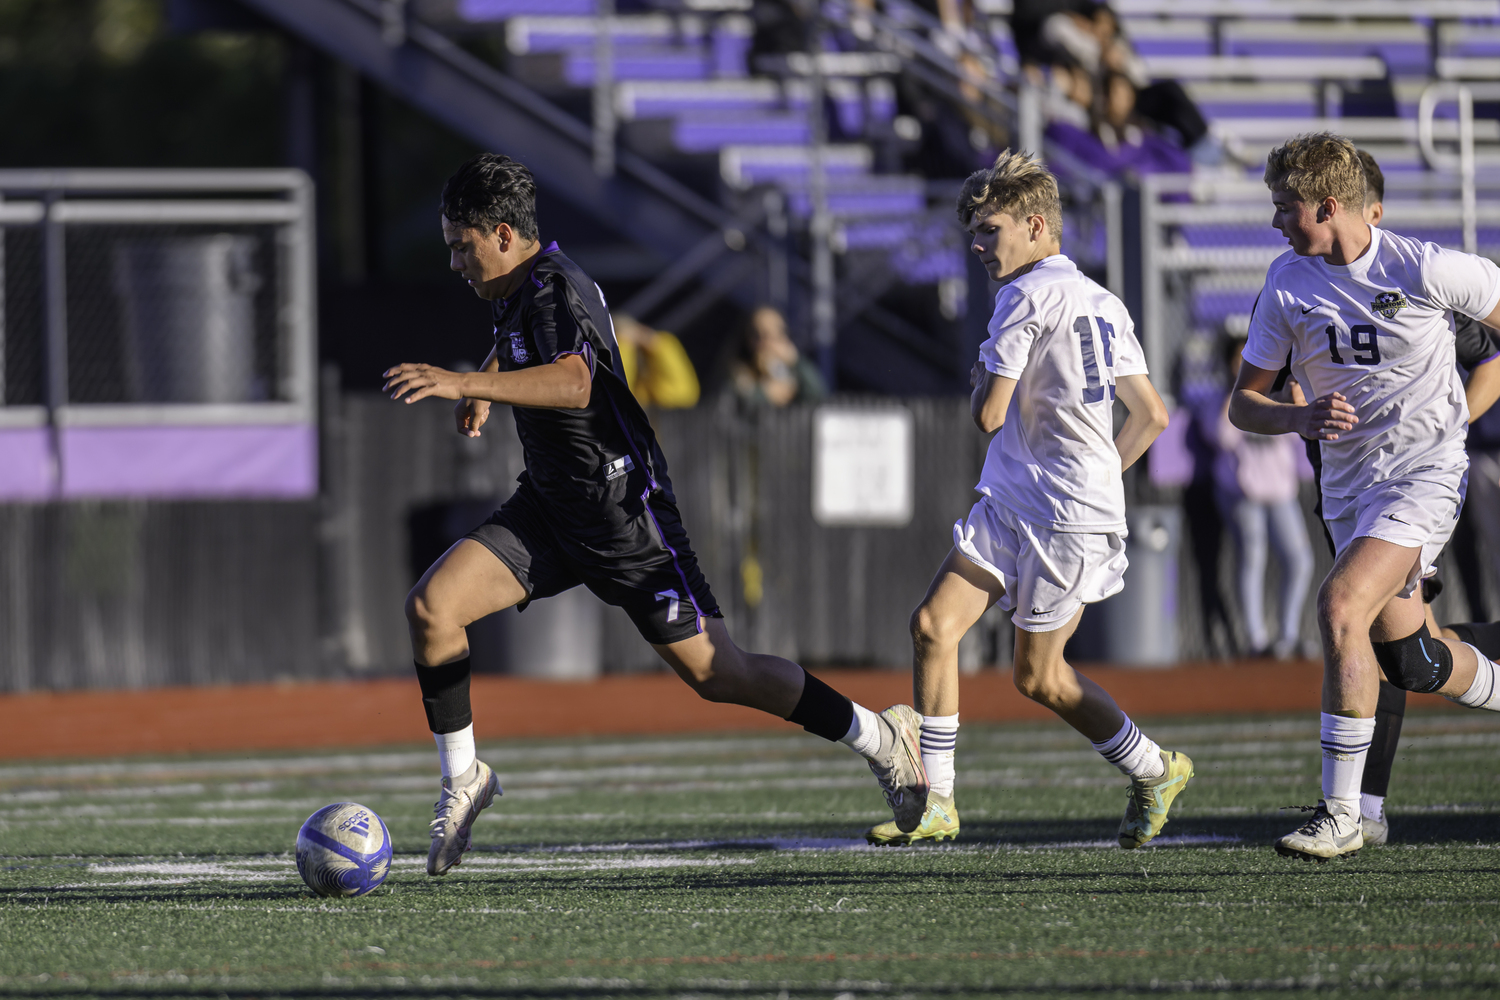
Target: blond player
[
  {"x": 1048, "y": 535},
  {"x": 1363, "y": 314}
]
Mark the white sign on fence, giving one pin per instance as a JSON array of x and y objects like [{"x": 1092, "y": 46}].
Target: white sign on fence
[{"x": 862, "y": 466}]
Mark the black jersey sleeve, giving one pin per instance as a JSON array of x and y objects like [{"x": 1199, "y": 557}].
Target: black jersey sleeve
[
  {"x": 1475, "y": 342},
  {"x": 555, "y": 327}
]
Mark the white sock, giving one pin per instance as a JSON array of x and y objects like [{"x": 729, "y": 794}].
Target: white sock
[
  {"x": 1485, "y": 691},
  {"x": 939, "y": 736},
  {"x": 1372, "y": 806},
  {"x": 1133, "y": 752},
  {"x": 456, "y": 750},
  {"x": 863, "y": 736},
  {"x": 1346, "y": 742}
]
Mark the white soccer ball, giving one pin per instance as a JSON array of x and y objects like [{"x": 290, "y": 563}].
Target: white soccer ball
[{"x": 343, "y": 850}]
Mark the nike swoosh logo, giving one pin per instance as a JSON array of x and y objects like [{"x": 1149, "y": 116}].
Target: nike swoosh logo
[
  {"x": 1039, "y": 611},
  {"x": 1308, "y": 310},
  {"x": 1398, "y": 520}
]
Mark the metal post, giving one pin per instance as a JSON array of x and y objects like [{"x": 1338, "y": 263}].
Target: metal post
[
  {"x": 778, "y": 273},
  {"x": 2, "y": 311},
  {"x": 1151, "y": 287},
  {"x": 1114, "y": 239},
  {"x": 1029, "y": 118},
  {"x": 820, "y": 227},
  {"x": 1466, "y": 168},
  {"x": 604, "y": 88},
  {"x": 55, "y": 307}
]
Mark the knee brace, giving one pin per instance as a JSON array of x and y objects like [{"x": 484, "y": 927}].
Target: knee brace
[{"x": 1416, "y": 663}]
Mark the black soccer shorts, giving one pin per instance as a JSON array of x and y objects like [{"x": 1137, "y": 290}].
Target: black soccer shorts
[{"x": 647, "y": 568}]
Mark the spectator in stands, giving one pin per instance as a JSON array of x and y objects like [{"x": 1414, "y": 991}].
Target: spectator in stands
[
  {"x": 659, "y": 372},
  {"x": 1256, "y": 481},
  {"x": 769, "y": 370}
]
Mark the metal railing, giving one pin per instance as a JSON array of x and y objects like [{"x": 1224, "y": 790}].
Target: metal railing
[{"x": 176, "y": 298}]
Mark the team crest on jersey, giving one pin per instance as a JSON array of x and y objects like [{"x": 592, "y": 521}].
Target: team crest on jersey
[
  {"x": 1388, "y": 304},
  {"x": 518, "y": 352}
]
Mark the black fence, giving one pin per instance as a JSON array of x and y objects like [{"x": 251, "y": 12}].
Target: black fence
[{"x": 139, "y": 594}]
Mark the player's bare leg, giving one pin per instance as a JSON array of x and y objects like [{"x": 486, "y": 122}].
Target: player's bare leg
[
  {"x": 463, "y": 586},
  {"x": 1047, "y": 679},
  {"x": 720, "y": 671}
]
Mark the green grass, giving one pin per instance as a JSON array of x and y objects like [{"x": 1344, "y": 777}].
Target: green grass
[{"x": 718, "y": 867}]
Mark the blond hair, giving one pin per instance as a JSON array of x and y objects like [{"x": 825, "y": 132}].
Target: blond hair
[
  {"x": 1016, "y": 184},
  {"x": 1318, "y": 166}
]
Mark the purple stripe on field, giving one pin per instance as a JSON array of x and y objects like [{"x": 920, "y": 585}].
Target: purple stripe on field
[
  {"x": 220, "y": 461},
  {"x": 25, "y": 464}
]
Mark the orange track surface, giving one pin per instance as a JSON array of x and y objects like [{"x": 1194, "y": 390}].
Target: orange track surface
[{"x": 372, "y": 713}]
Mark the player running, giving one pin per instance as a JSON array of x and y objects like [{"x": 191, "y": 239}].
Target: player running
[
  {"x": 1363, "y": 315},
  {"x": 594, "y": 507},
  {"x": 1477, "y": 350},
  {"x": 1048, "y": 535}
]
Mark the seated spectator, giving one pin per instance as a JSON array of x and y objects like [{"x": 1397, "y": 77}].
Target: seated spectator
[
  {"x": 769, "y": 370},
  {"x": 658, "y": 370},
  {"x": 1256, "y": 481}
]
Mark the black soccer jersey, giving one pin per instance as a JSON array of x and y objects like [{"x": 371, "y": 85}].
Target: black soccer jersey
[{"x": 576, "y": 459}]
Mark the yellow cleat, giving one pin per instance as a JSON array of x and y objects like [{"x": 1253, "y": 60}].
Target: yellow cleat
[
  {"x": 939, "y": 823},
  {"x": 1150, "y": 798}
]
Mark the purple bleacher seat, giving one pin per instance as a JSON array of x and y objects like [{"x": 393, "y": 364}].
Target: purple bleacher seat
[
  {"x": 875, "y": 234},
  {"x": 1269, "y": 108},
  {"x": 792, "y": 171},
  {"x": 1401, "y": 57},
  {"x": 639, "y": 64},
  {"x": 1173, "y": 46},
  {"x": 704, "y": 132},
  {"x": 668, "y": 98},
  {"x": 480, "y": 11},
  {"x": 1251, "y": 234},
  {"x": 1448, "y": 236},
  {"x": 1210, "y": 307},
  {"x": 1154, "y": 155},
  {"x": 731, "y": 51},
  {"x": 866, "y": 196}
]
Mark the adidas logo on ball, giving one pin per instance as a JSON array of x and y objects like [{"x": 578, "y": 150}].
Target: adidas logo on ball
[{"x": 343, "y": 849}]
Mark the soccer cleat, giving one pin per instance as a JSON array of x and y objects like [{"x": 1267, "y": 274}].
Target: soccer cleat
[
  {"x": 1375, "y": 831},
  {"x": 1150, "y": 798},
  {"x": 897, "y": 765},
  {"x": 1323, "y": 838},
  {"x": 939, "y": 823},
  {"x": 454, "y": 814}
]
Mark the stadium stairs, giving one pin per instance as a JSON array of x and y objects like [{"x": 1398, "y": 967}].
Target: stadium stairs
[{"x": 703, "y": 137}]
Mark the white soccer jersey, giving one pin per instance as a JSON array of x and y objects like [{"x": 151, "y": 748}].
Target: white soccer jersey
[
  {"x": 1065, "y": 340},
  {"x": 1377, "y": 330}
]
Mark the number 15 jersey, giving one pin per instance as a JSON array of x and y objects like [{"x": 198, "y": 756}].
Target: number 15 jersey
[
  {"x": 1065, "y": 340},
  {"x": 1377, "y": 331}
]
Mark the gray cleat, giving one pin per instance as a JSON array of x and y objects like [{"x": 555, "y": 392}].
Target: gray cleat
[
  {"x": 458, "y": 804},
  {"x": 1324, "y": 837},
  {"x": 897, "y": 765}
]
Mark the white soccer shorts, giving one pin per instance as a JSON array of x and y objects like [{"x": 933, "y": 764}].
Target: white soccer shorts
[
  {"x": 1047, "y": 575},
  {"x": 1413, "y": 513}
]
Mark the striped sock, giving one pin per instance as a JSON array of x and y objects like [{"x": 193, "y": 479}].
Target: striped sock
[
  {"x": 1346, "y": 742},
  {"x": 1485, "y": 691},
  {"x": 1133, "y": 752},
  {"x": 939, "y": 737}
]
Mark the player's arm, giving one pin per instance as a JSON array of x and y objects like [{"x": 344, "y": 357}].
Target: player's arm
[
  {"x": 566, "y": 384},
  {"x": 1146, "y": 417},
  {"x": 1252, "y": 408},
  {"x": 991, "y": 397},
  {"x": 471, "y": 414},
  {"x": 1483, "y": 387}
]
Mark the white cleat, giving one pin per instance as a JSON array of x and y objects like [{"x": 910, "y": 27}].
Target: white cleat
[
  {"x": 1324, "y": 837},
  {"x": 459, "y": 803},
  {"x": 1375, "y": 831},
  {"x": 897, "y": 765}
]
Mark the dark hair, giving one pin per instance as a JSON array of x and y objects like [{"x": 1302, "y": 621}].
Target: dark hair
[
  {"x": 1374, "y": 178},
  {"x": 491, "y": 189}
]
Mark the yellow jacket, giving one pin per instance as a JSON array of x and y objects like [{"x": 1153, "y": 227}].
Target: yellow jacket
[{"x": 660, "y": 374}]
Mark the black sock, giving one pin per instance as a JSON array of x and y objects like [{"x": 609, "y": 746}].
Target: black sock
[
  {"x": 445, "y": 695},
  {"x": 1390, "y": 712},
  {"x": 821, "y": 710}
]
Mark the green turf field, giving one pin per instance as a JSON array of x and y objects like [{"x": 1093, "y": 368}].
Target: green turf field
[{"x": 719, "y": 867}]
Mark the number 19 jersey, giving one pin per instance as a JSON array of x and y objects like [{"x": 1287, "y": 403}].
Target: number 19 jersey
[
  {"x": 1377, "y": 331},
  {"x": 1065, "y": 340}
]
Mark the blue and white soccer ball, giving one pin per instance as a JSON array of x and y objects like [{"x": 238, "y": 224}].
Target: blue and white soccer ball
[{"x": 343, "y": 850}]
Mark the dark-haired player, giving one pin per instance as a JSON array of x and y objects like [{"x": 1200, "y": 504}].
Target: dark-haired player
[
  {"x": 593, "y": 507},
  {"x": 1477, "y": 350}
]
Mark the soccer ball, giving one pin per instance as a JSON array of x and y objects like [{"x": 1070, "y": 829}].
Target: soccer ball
[{"x": 343, "y": 850}]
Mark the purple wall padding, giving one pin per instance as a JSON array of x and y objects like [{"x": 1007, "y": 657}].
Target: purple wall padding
[
  {"x": 279, "y": 461},
  {"x": 25, "y": 464}
]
